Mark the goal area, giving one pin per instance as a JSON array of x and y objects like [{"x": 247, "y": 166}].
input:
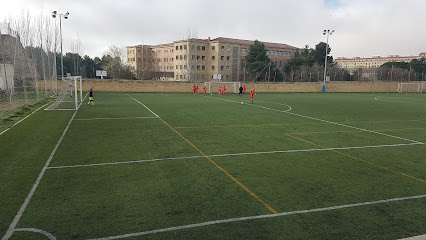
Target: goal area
[
  {"x": 69, "y": 95},
  {"x": 410, "y": 87},
  {"x": 231, "y": 87}
]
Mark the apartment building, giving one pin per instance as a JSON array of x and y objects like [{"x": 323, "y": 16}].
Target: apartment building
[
  {"x": 201, "y": 59},
  {"x": 351, "y": 64}
]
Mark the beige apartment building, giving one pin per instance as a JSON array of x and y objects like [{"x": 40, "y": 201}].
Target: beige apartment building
[
  {"x": 201, "y": 59},
  {"x": 351, "y": 64}
]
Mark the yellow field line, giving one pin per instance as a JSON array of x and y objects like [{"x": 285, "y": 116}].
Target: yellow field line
[
  {"x": 359, "y": 131},
  {"x": 223, "y": 170},
  {"x": 359, "y": 159},
  {"x": 292, "y": 124}
]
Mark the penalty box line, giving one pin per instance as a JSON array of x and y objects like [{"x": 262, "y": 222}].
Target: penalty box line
[
  {"x": 232, "y": 154},
  {"x": 230, "y": 220},
  {"x": 12, "y": 226},
  {"x": 326, "y": 121}
]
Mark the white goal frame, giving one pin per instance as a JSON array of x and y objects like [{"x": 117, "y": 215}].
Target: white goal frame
[
  {"x": 411, "y": 86},
  {"x": 209, "y": 85},
  {"x": 75, "y": 86}
]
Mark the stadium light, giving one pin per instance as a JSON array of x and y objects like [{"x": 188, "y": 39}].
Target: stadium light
[
  {"x": 327, "y": 33},
  {"x": 54, "y": 14}
]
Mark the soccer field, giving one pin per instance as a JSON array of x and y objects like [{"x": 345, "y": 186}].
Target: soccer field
[{"x": 179, "y": 166}]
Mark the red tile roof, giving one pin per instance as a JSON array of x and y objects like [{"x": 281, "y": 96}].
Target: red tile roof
[{"x": 249, "y": 42}]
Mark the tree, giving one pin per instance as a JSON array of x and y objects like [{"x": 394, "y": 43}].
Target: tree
[
  {"x": 259, "y": 66},
  {"x": 114, "y": 62}
]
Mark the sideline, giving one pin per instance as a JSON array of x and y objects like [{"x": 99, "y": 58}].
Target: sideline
[
  {"x": 7, "y": 129},
  {"x": 27, "y": 200}
]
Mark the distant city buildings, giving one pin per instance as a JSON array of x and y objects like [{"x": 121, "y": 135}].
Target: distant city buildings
[
  {"x": 351, "y": 64},
  {"x": 200, "y": 59}
]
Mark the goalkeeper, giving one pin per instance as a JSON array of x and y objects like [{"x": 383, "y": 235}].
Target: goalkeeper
[{"x": 90, "y": 98}]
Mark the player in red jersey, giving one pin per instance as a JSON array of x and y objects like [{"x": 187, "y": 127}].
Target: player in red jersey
[
  {"x": 204, "y": 90},
  {"x": 194, "y": 89},
  {"x": 197, "y": 89},
  {"x": 220, "y": 91},
  {"x": 224, "y": 90},
  {"x": 251, "y": 96},
  {"x": 254, "y": 91},
  {"x": 244, "y": 89}
]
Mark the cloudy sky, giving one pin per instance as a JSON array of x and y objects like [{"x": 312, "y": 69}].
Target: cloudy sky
[{"x": 362, "y": 27}]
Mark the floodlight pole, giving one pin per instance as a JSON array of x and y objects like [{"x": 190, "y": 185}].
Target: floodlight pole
[
  {"x": 327, "y": 33},
  {"x": 54, "y": 14}
]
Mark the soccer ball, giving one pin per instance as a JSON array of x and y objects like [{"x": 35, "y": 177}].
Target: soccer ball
[
  {"x": 241, "y": 102},
  {"x": 211, "y": 93}
]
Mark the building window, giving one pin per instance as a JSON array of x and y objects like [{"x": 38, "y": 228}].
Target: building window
[
  {"x": 198, "y": 47},
  {"x": 180, "y": 57},
  {"x": 203, "y": 48},
  {"x": 203, "y": 77},
  {"x": 212, "y": 67},
  {"x": 203, "y": 57},
  {"x": 171, "y": 59},
  {"x": 213, "y": 48},
  {"x": 228, "y": 57},
  {"x": 159, "y": 59},
  {"x": 177, "y": 47},
  {"x": 228, "y": 68},
  {"x": 184, "y": 47},
  {"x": 243, "y": 50},
  {"x": 203, "y": 67},
  {"x": 184, "y": 57},
  {"x": 222, "y": 57},
  {"x": 165, "y": 59},
  {"x": 198, "y": 57},
  {"x": 198, "y": 67},
  {"x": 185, "y": 67},
  {"x": 222, "y": 48},
  {"x": 228, "y": 49},
  {"x": 180, "y": 47},
  {"x": 180, "y": 67},
  {"x": 213, "y": 57},
  {"x": 222, "y": 67},
  {"x": 171, "y": 50}
]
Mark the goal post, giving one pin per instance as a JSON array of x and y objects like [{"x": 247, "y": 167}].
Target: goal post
[
  {"x": 230, "y": 86},
  {"x": 410, "y": 87},
  {"x": 69, "y": 95}
]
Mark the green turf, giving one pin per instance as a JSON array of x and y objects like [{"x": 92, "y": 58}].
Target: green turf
[{"x": 93, "y": 201}]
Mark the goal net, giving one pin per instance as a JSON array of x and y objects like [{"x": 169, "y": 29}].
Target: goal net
[
  {"x": 410, "y": 87},
  {"x": 69, "y": 95},
  {"x": 231, "y": 87}
]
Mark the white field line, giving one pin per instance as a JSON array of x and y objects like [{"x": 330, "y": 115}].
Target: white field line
[
  {"x": 128, "y": 118},
  {"x": 23, "y": 119},
  {"x": 229, "y": 220},
  {"x": 37, "y": 182},
  {"x": 379, "y": 99},
  {"x": 47, "y": 234},
  {"x": 144, "y": 106},
  {"x": 226, "y": 100},
  {"x": 338, "y": 124},
  {"x": 232, "y": 154}
]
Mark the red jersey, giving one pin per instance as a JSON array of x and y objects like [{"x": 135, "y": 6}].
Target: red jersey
[
  {"x": 253, "y": 91},
  {"x": 205, "y": 90},
  {"x": 244, "y": 89},
  {"x": 220, "y": 91},
  {"x": 251, "y": 95},
  {"x": 224, "y": 89}
]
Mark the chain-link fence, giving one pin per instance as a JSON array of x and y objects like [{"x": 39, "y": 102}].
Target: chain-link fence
[{"x": 27, "y": 68}]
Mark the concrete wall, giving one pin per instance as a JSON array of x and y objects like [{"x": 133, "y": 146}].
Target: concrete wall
[{"x": 186, "y": 87}]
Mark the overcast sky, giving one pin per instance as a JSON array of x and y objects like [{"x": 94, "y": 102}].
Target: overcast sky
[{"x": 362, "y": 27}]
